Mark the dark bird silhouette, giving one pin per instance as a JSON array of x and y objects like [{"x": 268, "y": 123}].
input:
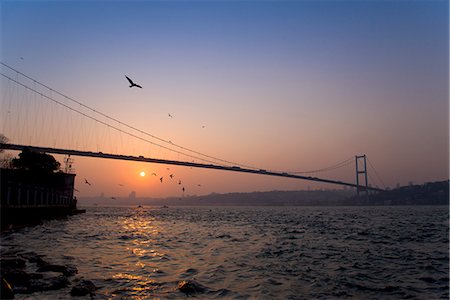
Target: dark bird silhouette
[
  {"x": 114, "y": 198},
  {"x": 161, "y": 179},
  {"x": 183, "y": 189},
  {"x": 179, "y": 181},
  {"x": 171, "y": 176},
  {"x": 154, "y": 174},
  {"x": 132, "y": 83},
  {"x": 87, "y": 182},
  {"x": 170, "y": 116}
]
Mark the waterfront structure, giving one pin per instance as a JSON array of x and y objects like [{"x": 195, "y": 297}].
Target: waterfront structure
[{"x": 28, "y": 196}]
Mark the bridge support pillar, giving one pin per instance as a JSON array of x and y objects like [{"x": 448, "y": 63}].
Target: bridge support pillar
[{"x": 362, "y": 171}]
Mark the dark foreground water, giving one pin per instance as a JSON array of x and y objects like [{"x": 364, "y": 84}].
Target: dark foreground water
[{"x": 250, "y": 252}]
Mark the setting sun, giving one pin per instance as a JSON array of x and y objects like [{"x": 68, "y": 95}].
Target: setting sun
[{"x": 142, "y": 174}]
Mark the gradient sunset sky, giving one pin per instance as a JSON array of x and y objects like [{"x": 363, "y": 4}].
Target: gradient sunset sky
[{"x": 281, "y": 85}]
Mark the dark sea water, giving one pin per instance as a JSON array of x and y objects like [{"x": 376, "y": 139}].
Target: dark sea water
[{"x": 249, "y": 252}]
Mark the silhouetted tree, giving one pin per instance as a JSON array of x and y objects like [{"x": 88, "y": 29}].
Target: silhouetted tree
[
  {"x": 5, "y": 158},
  {"x": 3, "y": 140},
  {"x": 36, "y": 161}
]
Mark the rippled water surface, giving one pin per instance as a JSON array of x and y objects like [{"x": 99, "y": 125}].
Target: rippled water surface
[{"x": 250, "y": 252}]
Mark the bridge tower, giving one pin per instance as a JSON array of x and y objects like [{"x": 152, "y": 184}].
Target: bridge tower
[{"x": 363, "y": 172}]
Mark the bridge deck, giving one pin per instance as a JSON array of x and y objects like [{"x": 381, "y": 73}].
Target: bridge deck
[{"x": 178, "y": 163}]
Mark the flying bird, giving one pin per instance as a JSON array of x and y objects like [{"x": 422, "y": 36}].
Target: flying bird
[
  {"x": 171, "y": 176},
  {"x": 154, "y": 174},
  {"x": 87, "y": 182},
  {"x": 114, "y": 198},
  {"x": 179, "y": 182},
  {"x": 132, "y": 83},
  {"x": 183, "y": 189},
  {"x": 161, "y": 179},
  {"x": 170, "y": 116}
]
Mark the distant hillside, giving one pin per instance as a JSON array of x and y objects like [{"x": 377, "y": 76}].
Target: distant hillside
[
  {"x": 434, "y": 193},
  {"x": 274, "y": 198}
]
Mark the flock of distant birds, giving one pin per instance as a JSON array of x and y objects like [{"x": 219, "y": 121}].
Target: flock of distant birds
[{"x": 161, "y": 179}]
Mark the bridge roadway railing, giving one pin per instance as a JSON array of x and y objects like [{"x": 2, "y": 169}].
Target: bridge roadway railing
[{"x": 179, "y": 163}]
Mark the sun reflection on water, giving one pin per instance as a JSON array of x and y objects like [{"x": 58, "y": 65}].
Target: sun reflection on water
[
  {"x": 140, "y": 224},
  {"x": 139, "y": 252},
  {"x": 140, "y": 286},
  {"x": 141, "y": 233}
]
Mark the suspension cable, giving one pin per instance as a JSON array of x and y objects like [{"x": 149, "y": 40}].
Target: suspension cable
[
  {"x": 333, "y": 167},
  {"x": 102, "y": 122},
  {"x": 376, "y": 174},
  {"x": 122, "y": 123}
]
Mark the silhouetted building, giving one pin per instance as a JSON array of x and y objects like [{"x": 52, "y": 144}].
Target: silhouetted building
[{"x": 30, "y": 195}]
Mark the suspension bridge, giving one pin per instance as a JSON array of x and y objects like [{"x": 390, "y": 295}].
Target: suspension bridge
[{"x": 20, "y": 85}]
